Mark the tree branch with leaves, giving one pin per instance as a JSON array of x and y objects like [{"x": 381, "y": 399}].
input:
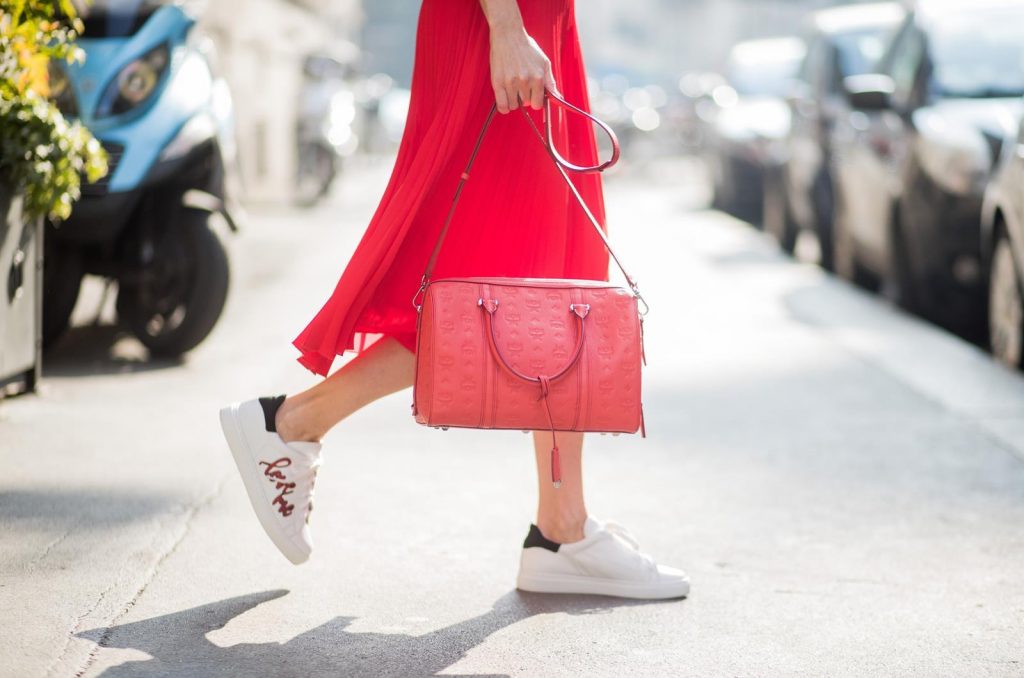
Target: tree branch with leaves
[{"x": 42, "y": 154}]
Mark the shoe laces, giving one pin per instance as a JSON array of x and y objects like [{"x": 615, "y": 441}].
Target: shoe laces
[
  {"x": 307, "y": 481},
  {"x": 619, "y": 530}
]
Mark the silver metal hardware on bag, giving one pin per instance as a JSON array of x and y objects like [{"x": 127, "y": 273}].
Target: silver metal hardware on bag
[
  {"x": 417, "y": 300},
  {"x": 640, "y": 298},
  {"x": 635, "y": 289}
]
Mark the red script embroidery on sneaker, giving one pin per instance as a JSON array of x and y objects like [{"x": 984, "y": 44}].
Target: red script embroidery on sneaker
[{"x": 281, "y": 482}]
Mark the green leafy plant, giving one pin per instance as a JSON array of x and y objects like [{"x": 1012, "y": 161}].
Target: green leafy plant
[{"x": 42, "y": 155}]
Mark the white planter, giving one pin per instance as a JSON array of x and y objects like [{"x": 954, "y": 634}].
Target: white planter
[{"x": 21, "y": 296}]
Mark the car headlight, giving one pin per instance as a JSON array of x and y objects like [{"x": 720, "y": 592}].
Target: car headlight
[
  {"x": 135, "y": 83},
  {"x": 961, "y": 170},
  {"x": 954, "y": 155}
]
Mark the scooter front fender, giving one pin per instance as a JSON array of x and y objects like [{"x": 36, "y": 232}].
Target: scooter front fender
[{"x": 207, "y": 202}]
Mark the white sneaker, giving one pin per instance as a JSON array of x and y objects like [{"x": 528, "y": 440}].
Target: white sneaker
[
  {"x": 278, "y": 476},
  {"x": 607, "y": 561}
]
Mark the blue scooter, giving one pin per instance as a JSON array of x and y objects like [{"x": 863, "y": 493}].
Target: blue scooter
[{"x": 147, "y": 91}]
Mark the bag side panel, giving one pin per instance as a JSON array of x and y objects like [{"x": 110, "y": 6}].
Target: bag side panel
[
  {"x": 613, "y": 360},
  {"x": 423, "y": 386},
  {"x": 459, "y": 356}
]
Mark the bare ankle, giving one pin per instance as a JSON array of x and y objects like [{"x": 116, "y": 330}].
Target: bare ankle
[
  {"x": 562, "y": 530},
  {"x": 290, "y": 426}
]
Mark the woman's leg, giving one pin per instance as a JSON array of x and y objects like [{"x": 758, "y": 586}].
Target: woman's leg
[
  {"x": 387, "y": 367},
  {"x": 384, "y": 368},
  {"x": 614, "y": 567},
  {"x": 560, "y": 511}
]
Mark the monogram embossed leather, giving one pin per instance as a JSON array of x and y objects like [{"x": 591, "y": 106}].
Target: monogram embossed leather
[{"x": 530, "y": 353}]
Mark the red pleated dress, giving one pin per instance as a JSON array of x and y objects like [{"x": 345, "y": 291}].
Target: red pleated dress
[{"x": 516, "y": 216}]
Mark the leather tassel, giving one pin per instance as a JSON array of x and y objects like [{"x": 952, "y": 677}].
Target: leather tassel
[
  {"x": 556, "y": 467},
  {"x": 643, "y": 429}
]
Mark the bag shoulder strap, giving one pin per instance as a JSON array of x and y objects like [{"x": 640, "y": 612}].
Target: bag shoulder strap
[{"x": 561, "y": 164}]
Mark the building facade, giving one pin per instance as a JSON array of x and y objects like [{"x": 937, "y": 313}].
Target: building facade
[{"x": 260, "y": 53}]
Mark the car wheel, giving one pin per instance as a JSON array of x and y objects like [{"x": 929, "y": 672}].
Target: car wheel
[
  {"x": 717, "y": 182},
  {"x": 778, "y": 221},
  {"x": 824, "y": 208},
  {"x": 844, "y": 256},
  {"x": 1005, "y": 305},
  {"x": 900, "y": 284}
]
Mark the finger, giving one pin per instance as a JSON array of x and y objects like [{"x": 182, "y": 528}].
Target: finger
[
  {"x": 501, "y": 98},
  {"x": 526, "y": 90},
  {"x": 513, "y": 96},
  {"x": 537, "y": 94},
  {"x": 523, "y": 90}
]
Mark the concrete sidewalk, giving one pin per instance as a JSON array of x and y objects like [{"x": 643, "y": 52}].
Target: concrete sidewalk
[{"x": 844, "y": 484}]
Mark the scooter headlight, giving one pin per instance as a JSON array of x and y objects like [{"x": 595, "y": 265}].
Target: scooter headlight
[{"x": 135, "y": 83}]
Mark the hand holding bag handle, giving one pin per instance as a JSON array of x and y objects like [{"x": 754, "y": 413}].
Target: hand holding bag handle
[{"x": 561, "y": 164}]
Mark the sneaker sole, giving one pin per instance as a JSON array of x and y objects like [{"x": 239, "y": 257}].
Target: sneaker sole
[
  {"x": 567, "y": 583},
  {"x": 246, "y": 463}
]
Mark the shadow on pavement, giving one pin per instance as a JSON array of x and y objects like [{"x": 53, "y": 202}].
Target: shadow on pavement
[
  {"x": 749, "y": 256},
  {"x": 83, "y": 509},
  {"x": 178, "y": 645},
  {"x": 87, "y": 350}
]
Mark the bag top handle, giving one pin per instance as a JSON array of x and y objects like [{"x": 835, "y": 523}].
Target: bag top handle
[
  {"x": 553, "y": 150},
  {"x": 561, "y": 164}
]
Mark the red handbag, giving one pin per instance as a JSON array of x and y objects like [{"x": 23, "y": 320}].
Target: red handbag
[{"x": 530, "y": 353}]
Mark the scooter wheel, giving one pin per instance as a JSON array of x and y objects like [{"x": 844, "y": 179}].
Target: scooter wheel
[
  {"x": 175, "y": 309},
  {"x": 63, "y": 270}
]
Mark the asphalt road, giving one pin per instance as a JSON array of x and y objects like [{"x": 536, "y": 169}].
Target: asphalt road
[{"x": 844, "y": 484}]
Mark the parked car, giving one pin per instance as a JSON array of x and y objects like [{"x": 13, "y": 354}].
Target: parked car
[
  {"x": 749, "y": 121},
  {"x": 1002, "y": 245},
  {"x": 842, "y": 41},
  {"x": 912, "y": 161}
]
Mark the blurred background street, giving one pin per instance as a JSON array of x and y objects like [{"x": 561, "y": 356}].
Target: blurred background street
[{"x": 823, "y": 207}]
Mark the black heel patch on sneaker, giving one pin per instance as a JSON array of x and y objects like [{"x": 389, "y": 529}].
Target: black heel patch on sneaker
[
  {"x": 270, "y": 405},
  {"x": 535, "y": 538}
]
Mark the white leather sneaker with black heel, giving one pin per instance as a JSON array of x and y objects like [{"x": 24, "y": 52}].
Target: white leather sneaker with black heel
[
  {"x": 278, "y": 476},
  {"x": 607, "y": 562}
]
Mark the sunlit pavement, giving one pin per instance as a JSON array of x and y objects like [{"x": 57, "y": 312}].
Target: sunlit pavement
[{"x": 844, "y": 484}]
